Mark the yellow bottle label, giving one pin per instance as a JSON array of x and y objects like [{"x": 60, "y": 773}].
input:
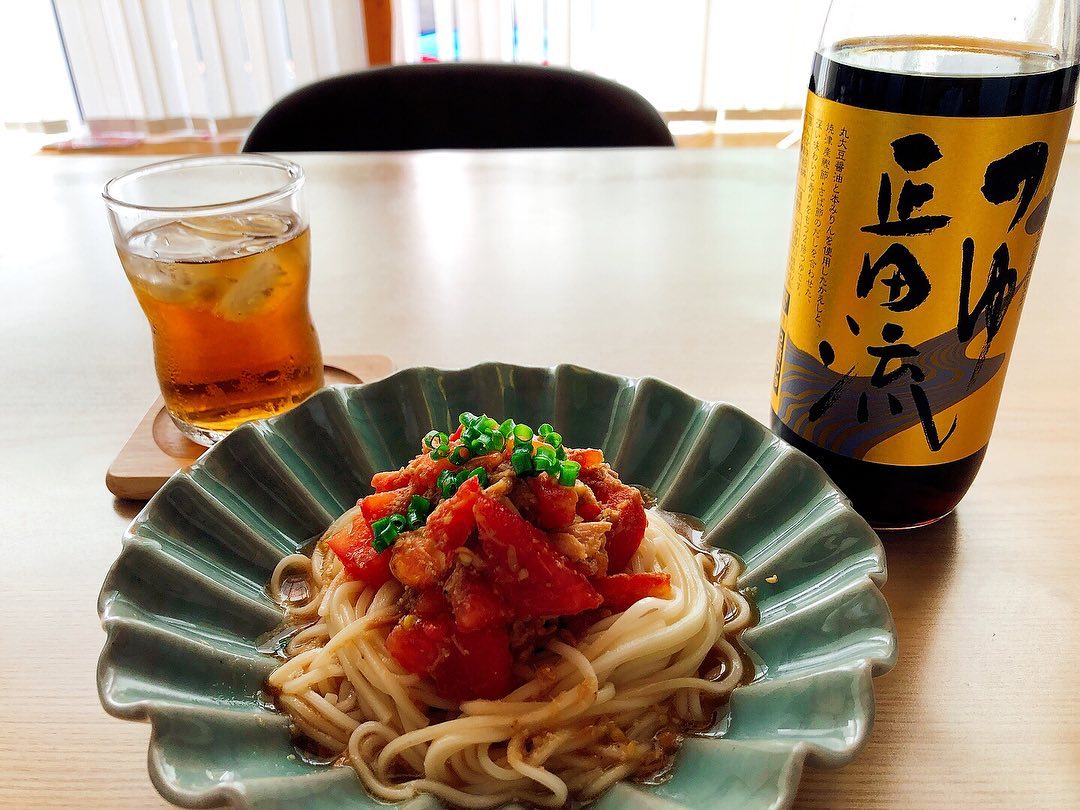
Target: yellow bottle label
[{"x": 911, "y": 253}]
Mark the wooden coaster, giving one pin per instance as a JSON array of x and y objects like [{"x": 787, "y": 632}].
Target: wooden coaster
[{"x": 157, "y": 448}]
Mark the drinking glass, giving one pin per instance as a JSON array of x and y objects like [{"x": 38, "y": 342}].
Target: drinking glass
[{"x": 217, "y": 250}]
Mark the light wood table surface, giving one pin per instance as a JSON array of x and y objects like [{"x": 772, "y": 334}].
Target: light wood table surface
[{"x": 667, "y": 263}]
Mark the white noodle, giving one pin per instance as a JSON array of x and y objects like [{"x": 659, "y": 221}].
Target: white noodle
[{"x": 569, "y": 736}]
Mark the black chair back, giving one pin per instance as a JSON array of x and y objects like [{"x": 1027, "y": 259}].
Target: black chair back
[{"x": 458, "y": 106}]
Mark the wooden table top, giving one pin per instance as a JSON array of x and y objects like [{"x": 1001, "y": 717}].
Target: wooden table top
[{"x": 667, "y": 263}]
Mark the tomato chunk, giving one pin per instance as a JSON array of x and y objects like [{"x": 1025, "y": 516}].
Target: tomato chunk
[
  {"x": 423, "y": 557},
  {"x": 417, "y": 645},
  {"x": 622, "y": 590},
  {"x": 529, "y": 574},
  {"x": 626, "y": 511},
  {"x": 383, "y": 504},
  {"x": 353, "y": 547},
  {"x": 463, "y": 665},
  {"x": 419, "y": 474},
  {"x": 555, "y": 505},
  {"x": 431, "y": 603},
  {"x": 475, "y": 604},
  {"x": 586, "y": 457},
  {"x": 627, "y": 527},
  {"x": 477, "y": 665}
]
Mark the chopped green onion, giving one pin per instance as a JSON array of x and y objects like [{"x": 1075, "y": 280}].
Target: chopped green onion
[
  {"x": 560, "y": 454},
  {"x": 545, "y": 464},
  {"x": 459, "y": 479},
  {"x": 568, "y": 473},
  {"x": 488, "y": 425},
  {"x": 480, "y": 474},
  {"x": 398, "y": 522},
  {"x": 459, "y": 456},
  {"x": 428, "y": 439},
  {"x": 384, "y": 532},
  {"x": 441, "y": 452},
  {"x": 545, "y": 461},
  {"x": 489, "y": 443},
  {"x": 521, "y": 460},
  {"x": 554, "y": 439},
  {"x": 545, "y": 429},
  {"x": 468, "y": 419},
  {"x": 507, "y": 428},
  {"x": 445, "y": 482},
  {"x": 522, "y": 434},
  {"x": 417, "y": 512},
  {"x": 414, "y": 519}
]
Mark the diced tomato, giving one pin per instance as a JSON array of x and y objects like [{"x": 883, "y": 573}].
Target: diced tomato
[
  {"x": 555, "y": 506},
  {"x": 600, "y": 481},
  {"x": 475, "y": 604},
  {"x": 353, "y": 547},
  {"x": 418, "y": 644},
  {"x": 587, "y": 506},
  {"x": 627, "y": 527},
  {"x": 587, "y": 458},
  {"x": 478, "y": 665},
  {"x": 622, "y": 590},
  {"x": 420, "y": 474},
  {"x": 423, "y": 557},
  {"x": 431, "y": 603},
  {"x": 392, "y": 479},
  {"x": 452, "y": 521},
  {"x": 626, "y": 511},
  {"x": 383, "y": 504},
  {"x": 529, "y": 574},
  {"x": 463, "y": 665}
]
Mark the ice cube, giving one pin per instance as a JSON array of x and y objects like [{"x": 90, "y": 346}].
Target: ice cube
[
  {"x": 210, "y": 238},
  {"x": 254, "y": 291},
  {"x": 171, "y": 282}
]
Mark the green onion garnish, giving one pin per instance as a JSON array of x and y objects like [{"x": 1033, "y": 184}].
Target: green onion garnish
[
  {"x": 385, "y": 532},
  {"x": 521, "y": 460},
  {"x": 545, "y": 429},
  {"x": 428, "y": 443},
  {"x": 468, "y": 419},
  {"x": 553, "y": 438},
  {"x": 507, "y": 428},
  {"x": 523, "y": 434},
  {"x": 417, "y": 512},
  {"x": 445, "y": 483},
  {"x": 480, "y": 474},
  {"x": 459, "y": 456},
  {"x": 568, "y": 473}
]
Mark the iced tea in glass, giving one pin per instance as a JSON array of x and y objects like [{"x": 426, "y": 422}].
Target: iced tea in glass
[{"x": 217, "y": 250}]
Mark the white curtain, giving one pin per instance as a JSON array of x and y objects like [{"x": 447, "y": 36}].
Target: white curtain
[
  {"x": 680, "y": 54},
  {"x": 202, "y": 65},
  {"x": 208, "y": 66}
]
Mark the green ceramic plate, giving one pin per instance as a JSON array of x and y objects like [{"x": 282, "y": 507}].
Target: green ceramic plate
[{"x": 185, "y": 602}]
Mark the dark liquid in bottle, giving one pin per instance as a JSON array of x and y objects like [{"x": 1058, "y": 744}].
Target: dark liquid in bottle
[{"x": 940, "y": 77}]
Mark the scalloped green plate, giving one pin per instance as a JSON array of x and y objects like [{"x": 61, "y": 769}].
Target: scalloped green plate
[{"x": 185, "y": 601}]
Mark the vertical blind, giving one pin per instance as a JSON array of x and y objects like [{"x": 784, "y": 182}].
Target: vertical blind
[
  {"x": 159, "y": 66},
  {"x": 203, "y": 65},
  {"x": 680, "y": 54}
]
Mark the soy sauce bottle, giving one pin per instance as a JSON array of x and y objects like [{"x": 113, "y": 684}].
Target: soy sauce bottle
[{"x": 927, "y": 167}]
